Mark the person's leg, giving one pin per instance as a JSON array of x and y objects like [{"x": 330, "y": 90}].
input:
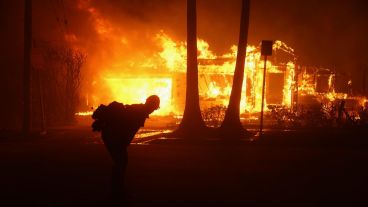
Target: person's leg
[
  {"x": 118, "y": 173},
  {"x": 118, "y": 153}
]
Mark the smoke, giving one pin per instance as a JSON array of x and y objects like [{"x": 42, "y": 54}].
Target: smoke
[
  {"x": 117, "y": 33},
  {"x": 324, "y": 33}
]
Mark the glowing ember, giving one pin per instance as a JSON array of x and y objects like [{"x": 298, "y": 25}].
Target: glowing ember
[{"x": 84, "y": 113}]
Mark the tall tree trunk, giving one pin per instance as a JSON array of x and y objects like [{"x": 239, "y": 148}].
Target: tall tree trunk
[
  {"x": 231, "y": 126},
  {"x": 27, "y": 67},
  {"x": 192, "y": 124}
]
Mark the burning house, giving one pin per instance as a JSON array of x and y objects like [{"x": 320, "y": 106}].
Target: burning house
[
  {"x": 163, "y": 72},
  {"x": 128, "y": 59},
  {"x": 165, "y": 75}
]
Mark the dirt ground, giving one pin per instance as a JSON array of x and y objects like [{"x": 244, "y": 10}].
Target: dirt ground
[{"x": 70, "y": 167}]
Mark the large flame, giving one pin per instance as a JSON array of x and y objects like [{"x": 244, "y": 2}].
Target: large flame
[
  {"x": 215, "y": 76},
  {"x": 163, "y": 73},
  {"x": 136, "y": 90}
]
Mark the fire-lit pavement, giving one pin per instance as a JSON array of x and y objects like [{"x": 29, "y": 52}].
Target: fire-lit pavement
[{"x": 70, "y": 167}]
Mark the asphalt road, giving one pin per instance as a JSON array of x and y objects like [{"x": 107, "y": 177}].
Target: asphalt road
[{"x": 70, "y": 167}]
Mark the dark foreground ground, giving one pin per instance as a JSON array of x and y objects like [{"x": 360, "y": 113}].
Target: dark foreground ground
[{"x": 69, "y": 167}]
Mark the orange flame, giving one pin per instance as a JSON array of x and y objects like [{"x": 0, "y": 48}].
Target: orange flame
[{"x": 215, "y": 72}]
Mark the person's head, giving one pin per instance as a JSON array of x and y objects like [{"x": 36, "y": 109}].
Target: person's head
[{"x": 152, "y": 103}]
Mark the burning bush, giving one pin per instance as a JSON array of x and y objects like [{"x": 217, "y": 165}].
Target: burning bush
[
  {"x": 285, "y": 118},
  {"x": 214, "y": 116},
  {"x": 329, "y": 114},
  {"x": 312, "y": 116}
]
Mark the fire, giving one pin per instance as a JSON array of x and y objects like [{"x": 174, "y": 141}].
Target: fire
[
  {"x": 213, "y": 90},
  {"x": 204, "y": 52},
  {"x": 289, "y": 84},
  {"x": 330, "y": 81},
  {"x": 172, "y": 53},
  {"x": 164, "y": 71},
  {"x": 215, "y": 76},
  {"x": 127, "y": 73},
  {"x": 307, "y": 85},
  {"x": 164, "y": 75},
  {"x": 136, "y": 90},
  {"x": 84, "y": 113},
  {"x": 333, "y": 96}
]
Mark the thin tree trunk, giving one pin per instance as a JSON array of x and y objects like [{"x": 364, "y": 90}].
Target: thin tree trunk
[
  {"x": 27, "y": 67},
  {"x": 231, "y": 126},
  {"x": 192, "y": 124}
]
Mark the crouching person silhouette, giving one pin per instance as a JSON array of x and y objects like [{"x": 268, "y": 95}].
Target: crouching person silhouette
[{"x": 118, "y": 123}]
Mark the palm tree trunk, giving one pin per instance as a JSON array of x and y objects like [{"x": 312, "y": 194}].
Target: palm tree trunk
[
  {"x": 192, "y": 124},
  {"x": 26, "y": 128},
  {"x": 231, "y": 125}
]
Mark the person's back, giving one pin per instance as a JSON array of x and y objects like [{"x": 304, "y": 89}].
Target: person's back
[
  {"x": 123, "y": 122},
  {"x": 118, "y": 124}
]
